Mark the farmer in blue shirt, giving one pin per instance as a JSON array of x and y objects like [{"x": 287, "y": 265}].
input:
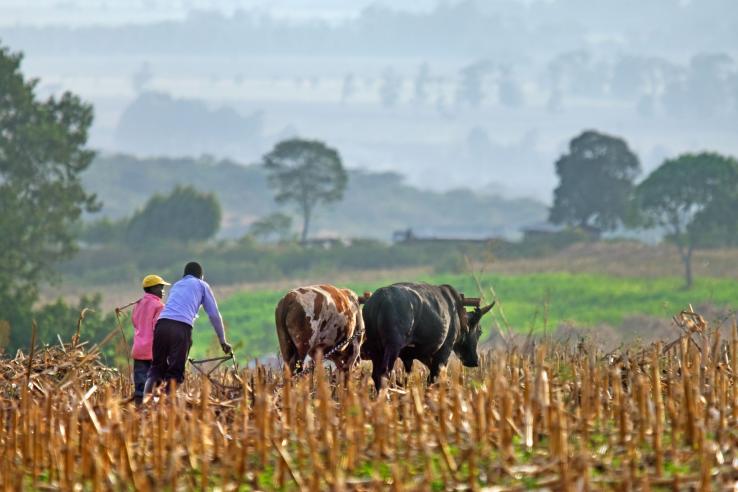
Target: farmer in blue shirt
[{"x": 173, "y": 332}]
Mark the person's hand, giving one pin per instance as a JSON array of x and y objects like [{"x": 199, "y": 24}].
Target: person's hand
[{"x": 227, "y": 349}]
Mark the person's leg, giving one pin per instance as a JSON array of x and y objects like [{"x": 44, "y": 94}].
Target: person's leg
[
  {"x": 158, "y": 369},
  {"x": 140, "y": 374},
  {"x": 179, "y": 349}
]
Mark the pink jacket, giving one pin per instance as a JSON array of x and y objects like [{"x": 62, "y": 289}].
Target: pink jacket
[{"x": 144, "y": 318}]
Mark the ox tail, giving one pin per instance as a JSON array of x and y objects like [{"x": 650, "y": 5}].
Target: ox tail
[
  {"x": 286, "y": 345},
  {"x": 371, "y": 313},
  {"x": 383, "y": 343}
]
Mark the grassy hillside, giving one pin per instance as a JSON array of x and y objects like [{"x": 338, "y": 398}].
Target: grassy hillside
[
  {"x": 374, "y": 205},
  {"x": 527, "y": 302}
]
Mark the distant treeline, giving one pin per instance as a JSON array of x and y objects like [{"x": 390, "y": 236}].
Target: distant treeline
[
  {"x": 373, "y": 206},
  {"x": 233, "y": 262},
  {"x": 464, "y": 28}
]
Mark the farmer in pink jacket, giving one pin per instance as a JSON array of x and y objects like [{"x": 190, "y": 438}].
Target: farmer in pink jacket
[{"x": 144, "y": 319}]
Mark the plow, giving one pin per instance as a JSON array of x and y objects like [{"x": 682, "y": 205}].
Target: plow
[{"x": 225, "y": 380}]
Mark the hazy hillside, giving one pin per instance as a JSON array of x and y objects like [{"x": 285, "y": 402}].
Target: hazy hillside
[{"x": 375, "y": 204}]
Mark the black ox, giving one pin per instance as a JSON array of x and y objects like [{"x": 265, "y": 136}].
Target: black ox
[{"x": 419, "y": 322}]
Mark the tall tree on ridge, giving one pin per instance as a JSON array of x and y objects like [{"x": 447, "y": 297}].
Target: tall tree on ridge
[
  {"x": 595, "y": 182},
  {"x": 306, "y": 173},
  {"x": 694, "y": 197}
]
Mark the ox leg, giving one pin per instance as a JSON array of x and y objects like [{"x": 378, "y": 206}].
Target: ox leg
[
  {"x": 381, "y": 368},
  {"x": 294, "y": 358},
  {"x": 377, "y": 372},
  {"x": 407, "y": 362},
  {"x": 388, "y": 363},
  {"x": 297, "y": 364},
  {"x": 435, "y": 369},
  {"x": 426, "y": 361},
  {"x": 439, "y": 360}
]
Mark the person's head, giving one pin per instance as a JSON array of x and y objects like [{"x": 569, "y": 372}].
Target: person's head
[
  {"x": 157, "y": 290},
  {"x": 193, "y": 268},
  {"x": 154, "y": 284}
]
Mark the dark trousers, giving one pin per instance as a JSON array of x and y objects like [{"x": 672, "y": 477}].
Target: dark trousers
[
  {"x": 172, "y": 342},
  {"x": 140, "y": 373}
]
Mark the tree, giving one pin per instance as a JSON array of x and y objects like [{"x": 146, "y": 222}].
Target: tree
[
  {"x": 42, "y": 155},
  {"x": 422, "y": 80},
  {"x": 103, "y": 231},
  {"x": 349, "y": 87},
  {"x": 157, "y": 123},
  {"x": 578, "y": 72},
  {"x": 471, "y": 88},
  {"x": 142, "y": 77},
  {"x": 508, "y": 89},
  {"x": 273, "y": 227},
  {"x": 595, "y": 182},
  {"x": 391, "y": 87},
  {"x": 306, "y": 173},
  {"x": 703, "y": 90},
  {"x": 479, "y": 143},
  {"x": 694, "y": 197},
  {"x": 184, "y": 215},
  {"x": 638, "y": 76}
]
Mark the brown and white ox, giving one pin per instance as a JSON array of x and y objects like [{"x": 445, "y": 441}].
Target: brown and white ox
[{"x": 319, "y": 317}]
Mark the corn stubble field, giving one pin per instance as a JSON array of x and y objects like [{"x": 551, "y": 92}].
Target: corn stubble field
[{"x": 545, "y": 416}]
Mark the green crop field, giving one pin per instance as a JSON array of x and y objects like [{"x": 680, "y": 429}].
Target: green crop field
[{"x": 525, "y": 302}]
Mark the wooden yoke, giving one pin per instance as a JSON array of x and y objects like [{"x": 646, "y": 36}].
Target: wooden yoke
[{"x": 470, "y": 301}]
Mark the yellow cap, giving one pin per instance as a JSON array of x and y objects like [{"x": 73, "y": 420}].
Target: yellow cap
[{"x": 152, "y": 280}]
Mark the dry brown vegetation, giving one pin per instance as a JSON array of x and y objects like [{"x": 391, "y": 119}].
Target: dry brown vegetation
[{"x": 537, "y": 415}]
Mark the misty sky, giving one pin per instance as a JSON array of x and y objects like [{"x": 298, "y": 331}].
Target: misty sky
[
  {"x": 484, "y": 94},
  {"x": 115, "y": 12}
]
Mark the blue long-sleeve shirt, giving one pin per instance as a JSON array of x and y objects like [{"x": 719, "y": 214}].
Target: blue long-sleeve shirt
[{"x": 184, "y": 301}]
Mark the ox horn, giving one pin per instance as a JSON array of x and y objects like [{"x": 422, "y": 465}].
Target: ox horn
[{"x": 487, "y": 309}]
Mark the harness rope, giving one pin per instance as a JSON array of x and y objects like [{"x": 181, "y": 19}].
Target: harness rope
[{"x": 341, "y": 346}]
